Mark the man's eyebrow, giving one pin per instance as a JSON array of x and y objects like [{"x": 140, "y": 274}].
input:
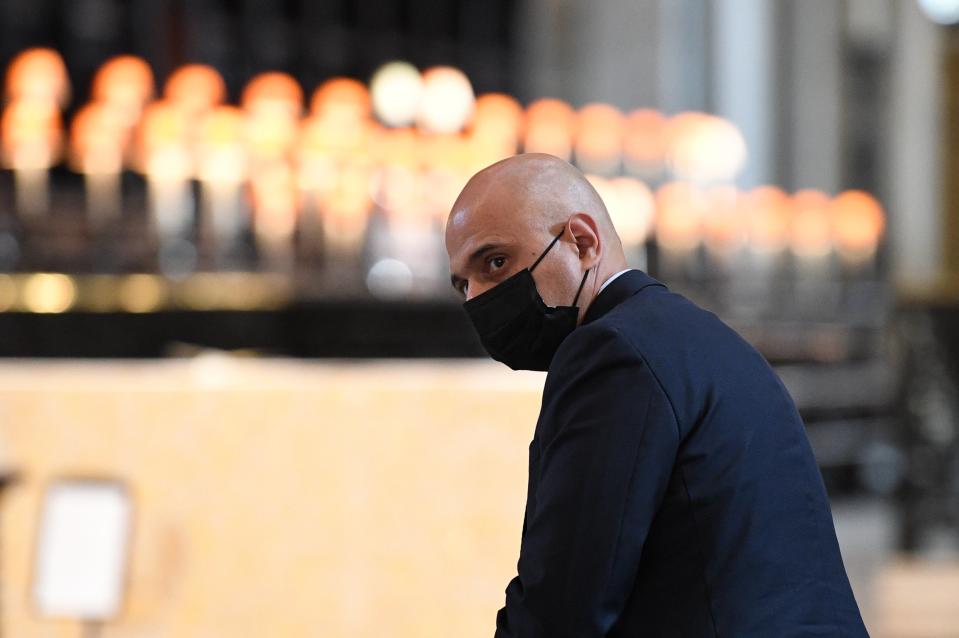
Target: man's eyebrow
[{"x": 479, "y": 252}]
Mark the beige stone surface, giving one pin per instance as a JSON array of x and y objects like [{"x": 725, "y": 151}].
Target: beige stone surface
[
  {"x": 280, "y": 498},
  {"x": 918, "y": 598}
]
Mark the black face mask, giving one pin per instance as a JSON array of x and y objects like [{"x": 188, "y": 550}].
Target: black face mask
[{"x": 516, "y": 326}]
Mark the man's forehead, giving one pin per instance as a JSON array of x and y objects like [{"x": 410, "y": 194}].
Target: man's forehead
[{"x": 465, "y": 224}]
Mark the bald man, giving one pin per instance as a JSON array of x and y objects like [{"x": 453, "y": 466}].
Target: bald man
[{"x": 672, "y": 490}]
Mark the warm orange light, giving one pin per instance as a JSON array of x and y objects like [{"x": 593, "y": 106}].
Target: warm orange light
[
  {"x": 768, "y": 218},
  {"x": 195, "y": 88},
  {"x": 549, "y": 128},
  {"x": 680, "y": 207},
  {"x": 447, "y": 100},
  {"x": 335, "y": 136},
  {"x": 162, "y": 141},
  {"x": 223, "y": 126},
  {"x": 38, "y": 75},
  {"x": 48, "y": 292},
  {"x": 704, "y": 148},
  {"x": 599, "y": 138},
  {"x": 97, "y": 140},
  {"x": 644, "y": 143},
  {"x": 858, "y": 223},
  {"x": 275, "y": 201},
  {"x": 163, "y": 124},
  {"x": 442, "y": 150},
  {"x": 31, "y": 134},
  {"x": 269, "y": 135},
  {"x": 125, "y": 83},
  {"x": 724, "y": 227},
  {"x": 221, "y": 146},
  {"x": 397, "y": 146},
  {"x": 497, "y": 114},
  {"x": 631, "y": 206},
  {"x": 496, "y": 129},
  {"x": 810, "y": 231},
  {"x": 341, "y": 99},
  {"x": 273, "y": 93}
]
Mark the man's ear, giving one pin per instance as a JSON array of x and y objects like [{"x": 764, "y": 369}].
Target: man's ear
[{"x": 584, "y": 231}]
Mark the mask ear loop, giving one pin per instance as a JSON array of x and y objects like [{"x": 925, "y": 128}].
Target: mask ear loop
[
  {"x": 581, "y": 284},
  {"x": 540, "y": 258}
]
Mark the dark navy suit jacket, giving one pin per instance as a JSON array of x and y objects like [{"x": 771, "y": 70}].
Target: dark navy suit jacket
[{"x": 672, "y": 489}]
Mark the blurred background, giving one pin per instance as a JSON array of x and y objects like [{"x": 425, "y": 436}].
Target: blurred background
[{"x": 237, "y": 394}]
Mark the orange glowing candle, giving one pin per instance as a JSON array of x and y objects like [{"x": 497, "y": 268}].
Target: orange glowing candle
[
  {"x": 125, "y": 84},
  {"x": 221, "y": 170},
  {"x": 549, "y": 128},
  {"x": 724, "y": 228},
  {"x": 275, "y": 201},
  {"x": 810, "y": 233},
  {"x": 495, "y": 131},
  {"x": 97, "y": 141},
  {"x": 599, "y": 138},
  {"x": 644, "y": 143},
  {"x": 36, "y": 87},
  {"x": 32, "y": 139},
  {"x": 631, "y": 206},
  {"x": 704, "y": 148},
  {"x": 166, "y": 161},
  {"x": 39, "y": 76},
  {"x": 858, "y": 223}
]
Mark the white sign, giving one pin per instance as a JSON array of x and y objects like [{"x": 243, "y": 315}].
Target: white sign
[{"x": 82, "y": 550}]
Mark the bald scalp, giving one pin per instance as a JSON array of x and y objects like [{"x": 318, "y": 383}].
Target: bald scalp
[{"x": 533, "y": 190}]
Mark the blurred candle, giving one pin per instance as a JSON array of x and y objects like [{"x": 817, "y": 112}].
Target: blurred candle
[
  {"x": 680, "y": 208},
  {"x": 38, "y": 75},
  {"x": 810, "y": 236},
  {"x": 32, "y": 138},
  {"x": 631, "y": 206},
  {"x": 549, "y": 128},
  {"x": 332, "y": 145},
  {"x": 36, "y": 87},
  {"x": 724, "y": 229},
  {"x": 704, "y": 148},
  {"x": 221, "y": 170},
  {"x": 767, "y": 211},
  {"x": 273, "y": 93},
  {"x": 97, "y": 140},
  {"x": 811, "y": 243},
  {"x": 644, "y": 143},
  {"x": 341, "y": 100},
  {"x": 125, "y": 84},
  {"x": 274, "y": 194},
  {"x": 858, "y": 224},
  {"x": 165, "y": 160},
  {"x": 396, "y": 91},
  {"x": 495, "y": 131},
  {"x": 599, "y": 139},
  {"x": 447, "y": 102},
  {"x": 273, "y": 103},
  {"x": 195, "y": 88}
]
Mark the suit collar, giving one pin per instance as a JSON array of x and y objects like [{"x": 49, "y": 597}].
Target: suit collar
[{"x": 620, "y": 289}]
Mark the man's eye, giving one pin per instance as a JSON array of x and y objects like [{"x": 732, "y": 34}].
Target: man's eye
[{"x": 497, "y": 262}]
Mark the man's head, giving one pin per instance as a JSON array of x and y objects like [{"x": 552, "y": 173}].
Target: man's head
[{"x": 509, "y": 212}]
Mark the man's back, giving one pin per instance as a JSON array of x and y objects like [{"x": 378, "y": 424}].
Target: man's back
[{"x": 696, "y": 507}]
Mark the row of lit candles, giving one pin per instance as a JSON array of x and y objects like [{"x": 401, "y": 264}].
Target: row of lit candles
[
  {"x": 338, "y": 162},
  {"x": 682, "y": 216}
]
